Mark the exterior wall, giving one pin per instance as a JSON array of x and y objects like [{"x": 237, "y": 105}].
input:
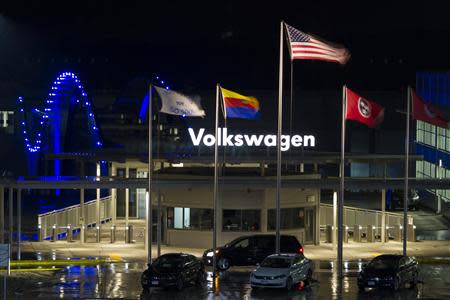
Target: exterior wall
[{"x": 261, "y": 199}]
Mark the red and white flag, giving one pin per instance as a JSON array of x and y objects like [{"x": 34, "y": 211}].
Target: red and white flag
[
  {"x": 425, "y": 112},
  {"x": 362, "y": 110},
  {"x": 305, "y": 46}
]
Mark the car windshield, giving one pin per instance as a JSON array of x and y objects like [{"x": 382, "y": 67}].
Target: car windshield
[
  {"x": 169, "y": 262},
  {"x": 276, "y": 262},
  {"x": 384, "y": 263}
]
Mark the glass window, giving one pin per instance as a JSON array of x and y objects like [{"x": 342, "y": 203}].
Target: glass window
[
  {"x": 291, "y": 218},
  {"x": 189, "y": 218},
  {"x": 241, "y": 219},
  {"x": 242, "y": 244}
]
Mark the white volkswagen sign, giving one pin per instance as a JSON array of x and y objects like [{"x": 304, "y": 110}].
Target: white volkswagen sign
[{"x": 249, "y": 140}]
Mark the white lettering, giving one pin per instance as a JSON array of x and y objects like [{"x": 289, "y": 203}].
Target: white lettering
[
  {"x": 253, "y": 139},
  {"x": 209, "y": 140},
  {"x": 238, "y": 140},
  {"x": 226, "y": 138},
  {"x": 309, "y": 138},
  {"x": 196, "y": 140},
  {"x": 270, "y": 140},
  {"x": 285, "y": 142},
  {"x": 296, "y": 140}
]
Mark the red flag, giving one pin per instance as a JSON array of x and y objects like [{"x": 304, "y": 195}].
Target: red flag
[
  {"x": 424, "y": 112},
  {"x": 363, "y": 110}
]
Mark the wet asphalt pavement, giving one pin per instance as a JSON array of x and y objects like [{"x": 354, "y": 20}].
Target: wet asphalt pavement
[{"x": 121, "y": 280}]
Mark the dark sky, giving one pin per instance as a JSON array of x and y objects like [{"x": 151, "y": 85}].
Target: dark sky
[{"x": 194, "y": 44}]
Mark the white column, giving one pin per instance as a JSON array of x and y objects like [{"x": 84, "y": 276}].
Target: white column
[
  {"x": 383, "y": 215},
  {"x": 19, "y": 223},
  {"x": 11, "y": 224},
  {"x": 113, "y": 196},
  {"x": 82, "y": 220},
  {"x": 127, "y": 195},
  {"x": 334, "y": 219},
  {"x": 2, "y": 215},
  {"x": 97, "y": 206},
  {"x": 147, "y": 227}
]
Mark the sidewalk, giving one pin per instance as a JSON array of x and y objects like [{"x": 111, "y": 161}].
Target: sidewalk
[{"x": 136, "y": 252}]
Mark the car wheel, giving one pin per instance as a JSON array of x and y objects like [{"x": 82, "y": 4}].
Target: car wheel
[
  {"x": 223, "y": 264},
  {"x": 201, "y": 277},
  {"x": 180, "y": 284},
  {"x": 289, "y": 284},
  {"x": 308, "y": 277},
  {"x": 361, "y": 288},
  {"x": 145, "y": 289}
]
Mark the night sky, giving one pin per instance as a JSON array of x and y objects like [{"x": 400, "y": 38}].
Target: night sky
[{"x": 195, "y": 44}]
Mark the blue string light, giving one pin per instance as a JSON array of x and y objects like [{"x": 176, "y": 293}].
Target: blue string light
[{"x": 65, "y": 81}]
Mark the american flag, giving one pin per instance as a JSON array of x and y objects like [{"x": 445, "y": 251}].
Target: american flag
[{"x": 304, "y": 46}]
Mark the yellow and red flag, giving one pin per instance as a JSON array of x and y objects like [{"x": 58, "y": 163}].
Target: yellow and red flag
[{"x": 239, "y": 106}]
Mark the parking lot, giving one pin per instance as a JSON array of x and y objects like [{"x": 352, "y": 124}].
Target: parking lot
[{"x": 121, "y": 280}]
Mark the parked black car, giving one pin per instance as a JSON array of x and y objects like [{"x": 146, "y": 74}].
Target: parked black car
[
  {"x": 389, "y": 271},
  {"x": 250, "y": 250},
  {"x": 173, "y": 269}
]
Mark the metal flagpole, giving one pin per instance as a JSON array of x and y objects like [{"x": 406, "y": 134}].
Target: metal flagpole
[
  {"x": 341, "y": 192},
  {"x": 292, "y": 96},
  {"x": 150, "y": 170},
  {"x": 216, "y": 179},
  {"x": 405, "y": 192},
  {"x": 280, "y": 122}
]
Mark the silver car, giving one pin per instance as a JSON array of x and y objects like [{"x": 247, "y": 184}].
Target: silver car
[{"x": 282, "y": 271}]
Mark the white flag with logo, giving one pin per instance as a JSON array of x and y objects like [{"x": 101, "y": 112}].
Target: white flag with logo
[{"x": 174, "y": 103}]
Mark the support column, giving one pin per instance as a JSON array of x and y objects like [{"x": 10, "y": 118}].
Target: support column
[
  {"x": 335, "y": 209},
  {"x": 158, "y": 225},
  {"x": 127, "y": 196},
  {"x": 82, "y": 221},
  {"x": 383, "y": 215},
  {"x": 113, "y": 196},
  {"x": 19, "y": 223},
  {"x": 147, "y": 227},
  {"x": 82, "y": 215},
  {"x": 2, "y": 215},
  {"x": 97, "y": 208},
  {"x": 10, "y": 219}
]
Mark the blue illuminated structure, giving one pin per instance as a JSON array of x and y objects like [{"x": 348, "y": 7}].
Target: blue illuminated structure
[
  {"x": 144, "y": 106},
  {"x": 45, "y": 130}
]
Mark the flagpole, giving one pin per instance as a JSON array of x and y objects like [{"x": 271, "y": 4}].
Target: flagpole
[
  {"x": 150, "y": 170},
  {"x": 341, "y": 192},
  {"x": 216, "y": 178},
  {"x": 280, "y": 123},
  {"x": 405, "y": 192},
  {"x": 292, "y": 96}
]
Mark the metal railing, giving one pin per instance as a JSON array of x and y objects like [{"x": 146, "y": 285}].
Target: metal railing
[
  {"x": 70, "y": 216},
  {"x": 359, "y": 216}
]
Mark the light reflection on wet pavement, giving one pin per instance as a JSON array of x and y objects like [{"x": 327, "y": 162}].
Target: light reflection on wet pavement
[{"x": 122, "y": 280}]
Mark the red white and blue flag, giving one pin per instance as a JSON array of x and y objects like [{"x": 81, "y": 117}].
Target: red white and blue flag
[{"x": 305, "y": 46}]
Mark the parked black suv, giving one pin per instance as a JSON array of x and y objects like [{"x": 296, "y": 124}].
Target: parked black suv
[{"x": 250, "y": 250}]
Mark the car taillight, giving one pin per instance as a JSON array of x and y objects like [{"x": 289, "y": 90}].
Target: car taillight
[{"x": 300, "y": 249}]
